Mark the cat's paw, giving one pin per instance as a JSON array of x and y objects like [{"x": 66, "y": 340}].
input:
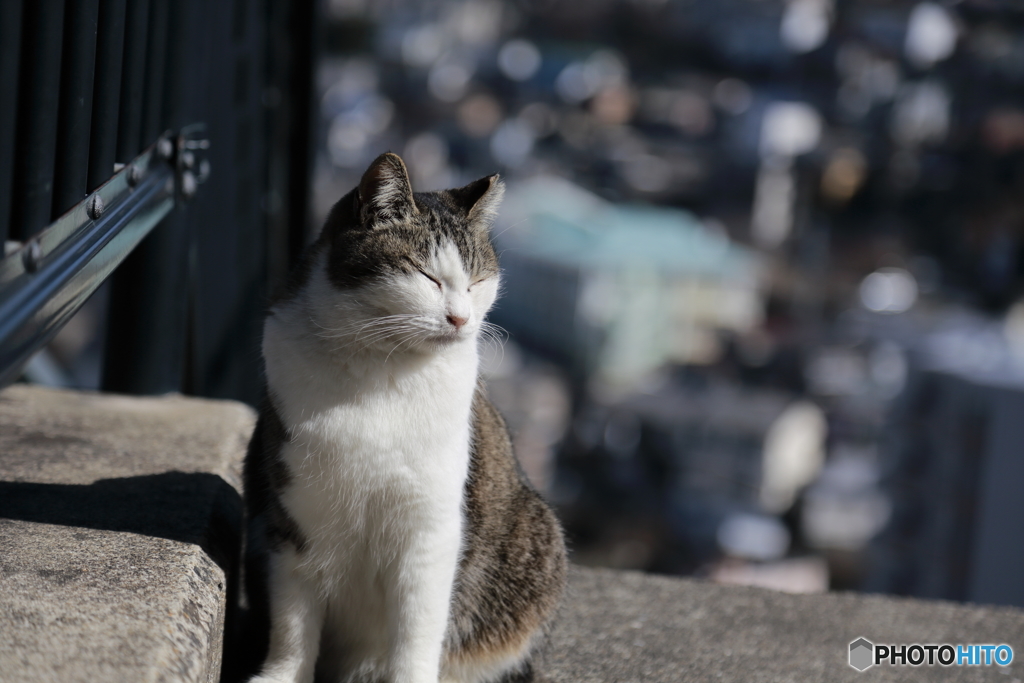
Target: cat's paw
[{"x": 278, "y": 678}]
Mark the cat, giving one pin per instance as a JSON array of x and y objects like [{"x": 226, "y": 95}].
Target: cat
[{"x": 403, "y": 543}]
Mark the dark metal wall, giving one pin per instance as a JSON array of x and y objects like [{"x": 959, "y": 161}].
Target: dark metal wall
[{"x": 89, "y": 84}]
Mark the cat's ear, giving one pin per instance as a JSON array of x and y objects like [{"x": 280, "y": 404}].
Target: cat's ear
[
  {"x": 480, "y": 200},
  {"x": 385, "y": 192}
]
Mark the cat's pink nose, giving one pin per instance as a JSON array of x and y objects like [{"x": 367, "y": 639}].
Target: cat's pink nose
[{"x": 456, "y": 321}]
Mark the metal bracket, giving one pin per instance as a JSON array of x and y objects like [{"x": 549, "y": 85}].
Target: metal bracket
[{"x": 46, "y": 279}]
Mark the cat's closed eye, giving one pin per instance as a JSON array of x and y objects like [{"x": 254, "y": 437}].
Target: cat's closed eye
[{"x": 431, "y": 278}]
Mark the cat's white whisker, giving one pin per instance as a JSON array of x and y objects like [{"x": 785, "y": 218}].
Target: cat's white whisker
[
  {"x": 508, "y": 227},
  {"x": 358, "y": 328},
  {"x": 409, "y": 336}
]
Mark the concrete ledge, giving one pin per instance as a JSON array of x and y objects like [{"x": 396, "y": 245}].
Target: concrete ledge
[
  {"x": 119, "y": 534},
  {"x": 626, "y": 627},
  {"x": 119, "y": 538}
]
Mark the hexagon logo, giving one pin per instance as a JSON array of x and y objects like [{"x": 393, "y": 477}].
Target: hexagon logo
[{"x": 862, "y": 654}]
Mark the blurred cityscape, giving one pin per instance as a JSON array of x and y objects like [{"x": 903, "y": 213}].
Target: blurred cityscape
[
  {"x": 763, "y": 268},
  {"x": 761, "y": 263}
]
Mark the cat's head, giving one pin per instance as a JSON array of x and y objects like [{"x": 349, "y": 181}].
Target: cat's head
[{"x": 409, "y": 270}]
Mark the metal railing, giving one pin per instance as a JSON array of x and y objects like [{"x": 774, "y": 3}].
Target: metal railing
[
  {"x": 90, "y": 87},
  {"x": 45, "y": 280}
]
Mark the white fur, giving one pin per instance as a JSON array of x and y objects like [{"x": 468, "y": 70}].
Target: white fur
[{"x": 378, "y": 408}]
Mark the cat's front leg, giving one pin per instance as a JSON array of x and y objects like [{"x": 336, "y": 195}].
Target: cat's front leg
[
  {"x": 296, "y": 619},
  {"x": 419, "y": 602}
]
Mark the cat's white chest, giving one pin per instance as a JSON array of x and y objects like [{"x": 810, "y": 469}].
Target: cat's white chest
[{"x": 377, "y": 456}]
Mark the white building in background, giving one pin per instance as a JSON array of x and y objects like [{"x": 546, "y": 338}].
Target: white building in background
[{"x": 620, "y": 290}]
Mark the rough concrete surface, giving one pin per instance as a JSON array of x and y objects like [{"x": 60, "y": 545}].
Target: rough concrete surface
[
  {"x": 119, "y": 525},
  {"x": 626, "y": 627},
  {"x": 119, "y": 537}
]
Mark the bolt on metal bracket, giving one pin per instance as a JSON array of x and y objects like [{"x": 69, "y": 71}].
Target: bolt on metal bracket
[{"x": 190, "y": 172}]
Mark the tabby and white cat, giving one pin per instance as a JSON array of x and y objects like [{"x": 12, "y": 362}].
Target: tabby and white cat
[{"x": 404, "y": 543}]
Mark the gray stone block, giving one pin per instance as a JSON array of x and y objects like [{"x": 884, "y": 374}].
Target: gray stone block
[
  {"x": 627, "y": 627},
  {"x": 119, "y": 532}
]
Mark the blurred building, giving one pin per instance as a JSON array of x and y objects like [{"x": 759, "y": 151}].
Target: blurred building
[
  {"x": 723, "y": 218},
  {"x": 618, "y": 292},
  {"x": 952, "y": 468}
]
